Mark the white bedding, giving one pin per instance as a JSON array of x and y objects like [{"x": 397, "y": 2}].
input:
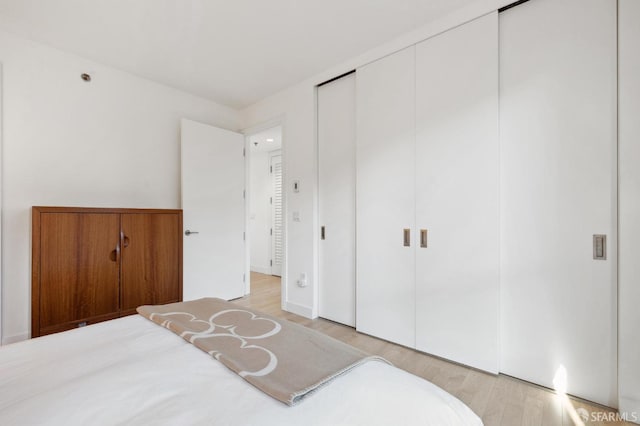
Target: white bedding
[{"x": 130, "y": 371}]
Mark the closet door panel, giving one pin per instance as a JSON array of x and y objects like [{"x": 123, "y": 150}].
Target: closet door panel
[
  {"x": 385, "y": 123},
  {"x": 629, "y": 227},
  {"x": 337, "y": 200},
  {"x": 79, "y": 269},
  {"x": 151, "y": 253},
  {"x": 457, "y": 190},
  {"x": 558, "y": 189}
]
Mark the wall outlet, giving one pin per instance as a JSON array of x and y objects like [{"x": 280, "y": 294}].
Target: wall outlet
[{"x": 302, "y": 281}]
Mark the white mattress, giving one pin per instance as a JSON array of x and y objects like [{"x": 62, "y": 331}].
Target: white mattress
[{"x": 131, "y": 371}]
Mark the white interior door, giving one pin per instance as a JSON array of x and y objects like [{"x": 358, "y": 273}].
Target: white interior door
[
  {"x": 277, "y": 241},
  {"x": 558, "y": 189},
  {"x": 457, "y": 190},
  {"x": 213, "y": 207},
  {"x": 337, "y": 200},
  {"x": 385, "y": 271}
]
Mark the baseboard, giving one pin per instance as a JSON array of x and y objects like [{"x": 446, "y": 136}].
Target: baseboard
[
  {"x": 14, "y": 339},
  {"x": 301, "y": 310},
  {"x": 630, "y": 410},
  {"x": 261, "y": 269}
]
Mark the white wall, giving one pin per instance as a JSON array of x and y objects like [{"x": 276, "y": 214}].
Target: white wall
[
  {"x": 629, "y": 208},
  {"x": 296, "y": 106},
  {"x": 113, "y": 142},
  {"x": 260, "y": 212}
]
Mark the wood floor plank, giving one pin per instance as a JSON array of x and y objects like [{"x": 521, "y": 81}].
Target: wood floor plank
[
  {"x": 495, "y": 408},
  {"x": 533, "y": 411},
  {"x": 553, "y": 411},
  {"x": 514, "y": 403},
  {"x": 476, "y": 390}
]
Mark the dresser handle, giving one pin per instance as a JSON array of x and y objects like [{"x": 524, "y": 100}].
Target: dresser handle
[{"x": 114, "y": 256}]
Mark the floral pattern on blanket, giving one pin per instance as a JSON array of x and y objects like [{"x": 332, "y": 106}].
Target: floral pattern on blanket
[
  {"x": 285, "y": 360},
  {"x": 228, "y": 333}
]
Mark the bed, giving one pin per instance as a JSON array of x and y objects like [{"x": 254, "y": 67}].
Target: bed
[{"x": 133, "y": 371}]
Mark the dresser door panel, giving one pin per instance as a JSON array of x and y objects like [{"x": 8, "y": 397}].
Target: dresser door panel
[
  {"x": 151, "y": 252},
  {"x": 79, "y": 268}
]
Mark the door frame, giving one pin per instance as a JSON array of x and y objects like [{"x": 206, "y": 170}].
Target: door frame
[{"x": 248, "y": 132}]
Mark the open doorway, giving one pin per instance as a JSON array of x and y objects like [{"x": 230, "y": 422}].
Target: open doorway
[{"x": 265, "y": 210}]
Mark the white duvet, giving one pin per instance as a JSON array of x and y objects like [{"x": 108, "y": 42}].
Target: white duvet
[{"x": 130, "y": 371}]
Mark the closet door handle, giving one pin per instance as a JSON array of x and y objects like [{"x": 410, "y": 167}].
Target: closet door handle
[
  {"x": 406, "y": 234},
  {"x": 322, "y": 232},
  {"x": 423, "y": 238}
]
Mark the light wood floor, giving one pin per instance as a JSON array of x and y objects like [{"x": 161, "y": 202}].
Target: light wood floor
[{"x": 498, "y": 400}]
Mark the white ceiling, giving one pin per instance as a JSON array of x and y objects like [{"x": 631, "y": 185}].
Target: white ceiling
[
  {"x": 266, "y": 141},
  {"x": 234, "y": 52}
]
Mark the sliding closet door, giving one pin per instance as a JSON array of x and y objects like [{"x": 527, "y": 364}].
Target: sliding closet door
[
  {"x": 558, "y": 188},
  {"x": 385, "y": 203},
  {"x": 457, "y": 189},
  {"x": 337, "y": 200},
  {"x": 629, "y": 72}
]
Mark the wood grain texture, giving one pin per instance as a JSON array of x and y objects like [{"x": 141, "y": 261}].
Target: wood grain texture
[
  {"x": 35, "y": 272},
  {"x": 79, "y": 275},
  {"x": 78, "y": 265},
  {"x": 151, "y": 258},
  {"x": 55, "y": 209},
  {"x": 498, "y": 399},
  {"x": 82, "y": 322}
]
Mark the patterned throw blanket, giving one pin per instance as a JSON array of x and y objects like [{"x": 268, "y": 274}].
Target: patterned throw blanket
[{"x": 284, "y": 360}]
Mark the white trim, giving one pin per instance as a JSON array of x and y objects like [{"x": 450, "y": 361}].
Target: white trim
[
  {"x": 247, "y": 214},
  {"x": 304, "y": 311},
  {"x": 15, "y": 339},
  {"x": 284, "y": 293},
  {"x": 316, "y": 210}
]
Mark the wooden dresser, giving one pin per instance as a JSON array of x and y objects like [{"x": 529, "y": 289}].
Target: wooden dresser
[{"x": 95, "y": 264}]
